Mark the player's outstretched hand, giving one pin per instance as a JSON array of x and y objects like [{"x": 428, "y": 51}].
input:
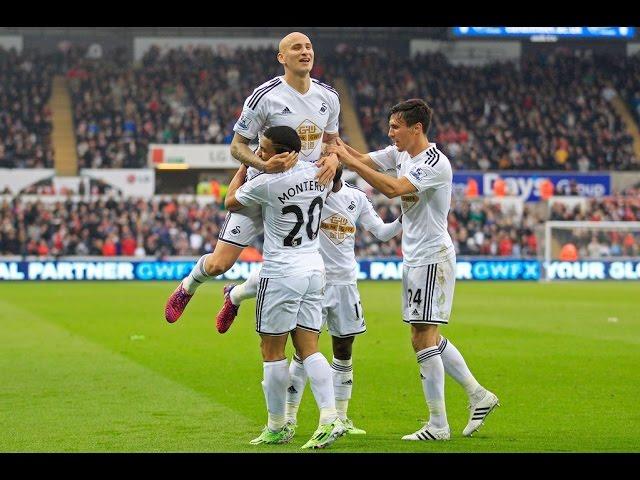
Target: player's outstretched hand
[
  {"x": 281, "y": 162},
  {"x": 341, "y": 149},
  {"x": 328, "y": 166}
]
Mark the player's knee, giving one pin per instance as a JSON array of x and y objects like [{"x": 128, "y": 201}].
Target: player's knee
[
  {"x": 305, "y": 343},
  {"x": 342, "y": 348},
  {"x": 424, "y": 336},
  {"x": 307, "y": 351},
  {"x": 306, "y": 347},
  {"x": 272, "y": 353}
]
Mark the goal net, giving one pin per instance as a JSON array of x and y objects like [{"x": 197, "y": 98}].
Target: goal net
[{"x": 581, "y": 250}]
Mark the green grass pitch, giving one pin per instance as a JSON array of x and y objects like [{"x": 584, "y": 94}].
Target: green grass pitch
[{"x": 94, "y": 367}]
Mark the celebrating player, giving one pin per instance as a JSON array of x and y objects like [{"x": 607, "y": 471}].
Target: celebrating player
[
  {"x": 291, "y": 285},
  {"x": 296, "y": 100},
  {"x": 424, "y": 184},
  {"x": 341, "y": 307}
]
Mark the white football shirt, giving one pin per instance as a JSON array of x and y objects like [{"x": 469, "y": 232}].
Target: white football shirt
[
  {"x": 291, "y": 204},
  {"x": 342, "y": 211},
  {"x": 276, "y": 103},
  {"x": 425, "y": 238}
]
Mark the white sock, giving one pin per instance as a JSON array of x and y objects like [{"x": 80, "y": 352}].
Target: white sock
[
  {"x": 455, "y": 366},
  {"x": 432, "y": 375},
  {"x": 247, "y": 289},
  {"x": 319, "y": 373},
  {"x": 342, "y": 371},
  {"x": 197, "y": 276},
  {"x": 297, "y": 382},
  {"x": 274, "y": 385}
]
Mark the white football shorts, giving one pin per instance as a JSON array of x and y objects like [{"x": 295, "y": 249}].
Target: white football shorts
[
  {"x": 342, "y": 311},
  {"x": 284, "y": 303},
  {"x": 241, "y": 228},
  {"x": 427, "y": 292}
]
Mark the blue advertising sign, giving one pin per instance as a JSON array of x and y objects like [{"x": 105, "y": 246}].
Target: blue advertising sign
[
  {"x": 467, "y": 268},
  {"x": 594, "y": 270},
  {"x": 565, "y": 32},
  {"x": 497, "y": 270},
  {"x": 526, "y": 185},
  {"x": 383, "y": 269},
  {"x": 474, "y": 269}
]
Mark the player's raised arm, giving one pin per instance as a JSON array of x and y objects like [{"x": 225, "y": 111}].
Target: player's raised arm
[
  {"x": 372, "y": 222},
  {"x": 245, "y": 194},
  {"x": 361, "y": 157},
  {"x": 236, "y": 182},
  {"x": 388, "y": 186}
]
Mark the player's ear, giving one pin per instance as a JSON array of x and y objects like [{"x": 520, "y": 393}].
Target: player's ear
[{"x": 280, "y": 57}]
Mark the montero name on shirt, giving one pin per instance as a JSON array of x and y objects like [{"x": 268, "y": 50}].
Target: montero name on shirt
[{"x": 305, "y": 186}]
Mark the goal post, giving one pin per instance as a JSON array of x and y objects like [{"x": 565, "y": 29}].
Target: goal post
[{"x": 591, "y": 250}]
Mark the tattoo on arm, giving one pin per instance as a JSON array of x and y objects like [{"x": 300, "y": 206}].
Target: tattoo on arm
[{"x": 240, "y": 151}]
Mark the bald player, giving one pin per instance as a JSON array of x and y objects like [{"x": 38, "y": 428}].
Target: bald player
[{"x": 295, "y": 100}]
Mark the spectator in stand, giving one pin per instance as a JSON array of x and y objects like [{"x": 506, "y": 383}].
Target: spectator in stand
[
  {"x": 109, "y": 246},
  {"x": 569, "y": 253},
  {"x": 630, "y": 245},
  {"x": 546, "y": 189},
  {"x": 128, "y": 244},
  {"x": 472, "y": 188},
  {"x": 569, "y": 190},
  {"x": 499, "y": 188},
  {"x": 43, "y": 248},
  {"x": 505, "y": 245}
]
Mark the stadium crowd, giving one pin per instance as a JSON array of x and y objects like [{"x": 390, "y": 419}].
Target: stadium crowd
[
  {"x": 108, "y": 227},
  {"x": 192, "y": 96},
  {"x": 547, "y": 113},
  {"x": 626, "y": 74},
  {"x": 483, "y": 228},
  {"x": 25, "y": 118},
  {"x": 602, "y": 244},
  {"x": 590, "y": 243},
  {"x": 172, "y": 227},
  {"x": 551, "y": 112},
  {"x": 619, "y": 208}
]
